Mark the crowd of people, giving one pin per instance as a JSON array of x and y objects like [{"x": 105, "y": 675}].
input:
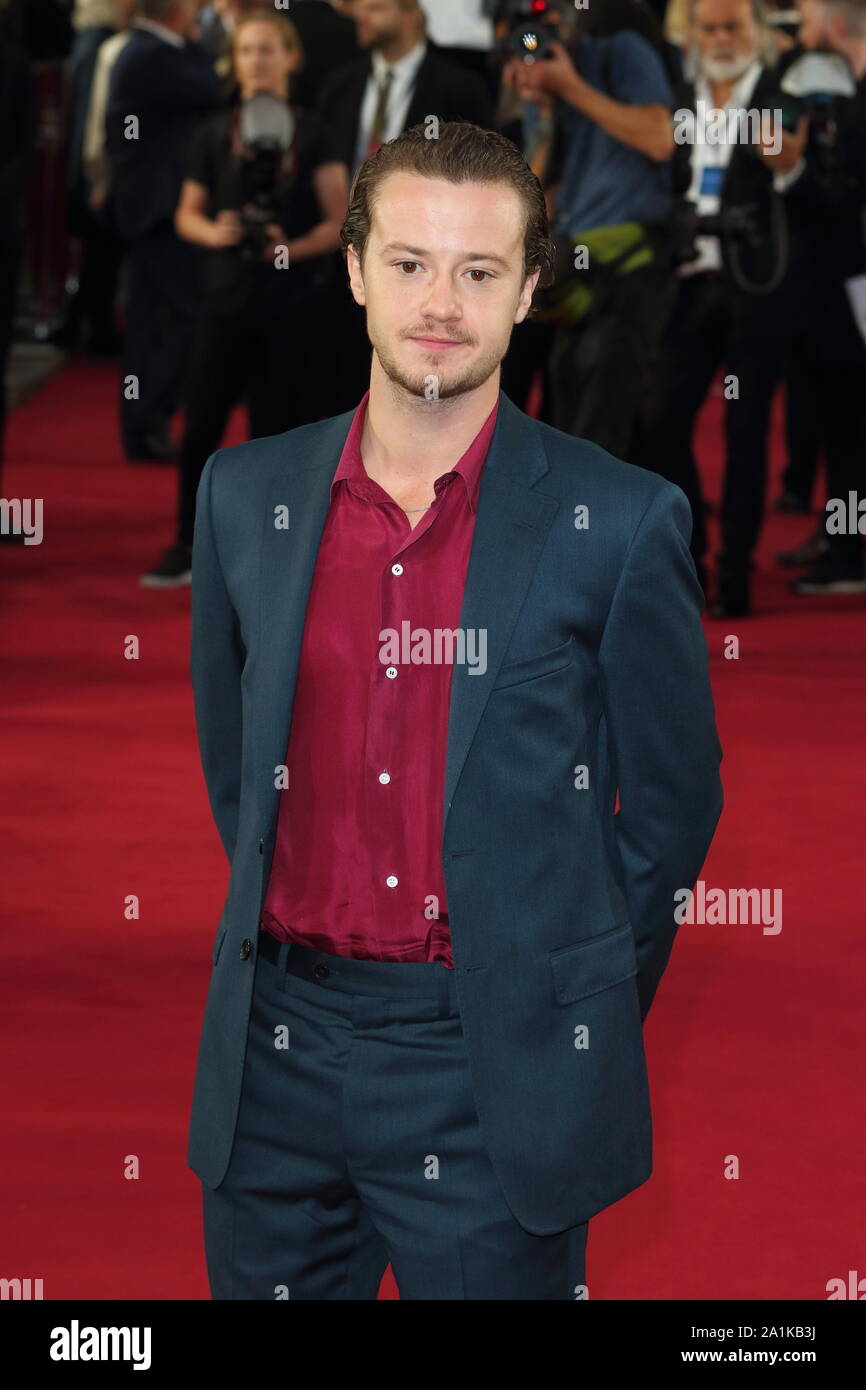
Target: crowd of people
[{"x": 704, "y": 166}]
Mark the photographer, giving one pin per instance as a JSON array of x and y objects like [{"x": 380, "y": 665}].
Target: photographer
[
  {"x": 828, "y": 201},
  {"x": 611, "y": 203},
  {"x": 267, "y": 197},
  {"x": 734, "y": 305}
]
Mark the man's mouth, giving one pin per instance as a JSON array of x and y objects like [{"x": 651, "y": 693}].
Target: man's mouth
[{"x": 437, "y": 343}]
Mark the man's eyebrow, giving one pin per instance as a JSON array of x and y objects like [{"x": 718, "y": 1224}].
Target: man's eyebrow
[{"x": 419, "y": 251}]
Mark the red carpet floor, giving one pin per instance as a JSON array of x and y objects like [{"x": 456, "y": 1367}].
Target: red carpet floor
[{"x": 755, "y": 1043}]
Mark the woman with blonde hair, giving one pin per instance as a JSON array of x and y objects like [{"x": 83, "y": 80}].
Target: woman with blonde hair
[{"x": 265, "y": 196}]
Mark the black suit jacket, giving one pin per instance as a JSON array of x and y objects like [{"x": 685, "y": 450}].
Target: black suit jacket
[
  {"x": 168, "y": 90},
  {"x": 441, "y": 89},
  {"x": 328, "y": 41}
]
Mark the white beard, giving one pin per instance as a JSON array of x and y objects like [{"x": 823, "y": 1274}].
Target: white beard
[{"x": 727, "y": 69}]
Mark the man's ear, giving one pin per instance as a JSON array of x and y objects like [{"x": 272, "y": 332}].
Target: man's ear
[
  {"x": 356, "y": 279},
  {"x": 526, "y": 294}
]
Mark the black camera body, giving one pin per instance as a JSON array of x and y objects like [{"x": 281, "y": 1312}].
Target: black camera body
[
  {"x": 532, "y": 32},
  {"x": 260, "y": 175},
  {"x": 267, "y": 132}
]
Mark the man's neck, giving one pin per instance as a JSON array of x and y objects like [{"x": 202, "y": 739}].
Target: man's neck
[
  {"x": 396, "y": 49},
  {"x": 408, "y": 442}
]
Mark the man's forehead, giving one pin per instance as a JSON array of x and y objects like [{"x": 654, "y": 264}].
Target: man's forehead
[{"x": 399, "y": 200}]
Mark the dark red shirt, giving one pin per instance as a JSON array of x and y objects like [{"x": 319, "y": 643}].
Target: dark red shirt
[{"x": 357, "y": 866}]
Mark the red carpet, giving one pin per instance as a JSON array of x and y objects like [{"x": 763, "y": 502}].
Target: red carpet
[{"x": 754, "y": 1043}]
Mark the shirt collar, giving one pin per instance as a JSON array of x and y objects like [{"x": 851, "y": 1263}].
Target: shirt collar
[
  {"x": 469, "y": 467},
  {"x": 405, "y": 67},
  {"x": 160, "y": 32}
]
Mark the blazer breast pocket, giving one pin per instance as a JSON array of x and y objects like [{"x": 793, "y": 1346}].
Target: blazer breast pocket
[
  {"x": 594, "y": 964},
  {"x": 516, "y": 672}
]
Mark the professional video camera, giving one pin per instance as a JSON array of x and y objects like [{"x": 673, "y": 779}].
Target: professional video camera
[
  {"x": 821, "y": 82},
  {"x": 267, "y": 132}
]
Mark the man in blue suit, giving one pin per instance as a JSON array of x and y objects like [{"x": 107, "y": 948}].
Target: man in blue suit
[{"x": 433, "y": 641}]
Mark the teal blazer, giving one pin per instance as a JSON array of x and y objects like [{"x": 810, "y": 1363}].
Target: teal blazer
[{"x": 561, "y": 907}]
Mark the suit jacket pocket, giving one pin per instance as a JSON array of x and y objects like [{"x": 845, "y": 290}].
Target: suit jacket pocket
[
  {"x": 518, "y": 671},
  {"x": 594, "y": 964}
]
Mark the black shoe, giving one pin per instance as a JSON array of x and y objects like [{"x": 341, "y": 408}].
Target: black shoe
[
  {"x": 827, "y": 576},
  {"x": 730, "y": 606},
  {"x": 792, "y": 503},
  {"x": 732, "y": 594},
  {"x": 152, "y": 446},
  {"x": 173, "y": 571},
  {"x": 807, "y": 553}
]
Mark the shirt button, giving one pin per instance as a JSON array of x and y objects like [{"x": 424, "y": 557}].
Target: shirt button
[
  {"x": 392, "y": 881},
  {"x": 397, "y": 569},
  {"x": 384, "y": 778},
  {"x": 391, "y": 672}
]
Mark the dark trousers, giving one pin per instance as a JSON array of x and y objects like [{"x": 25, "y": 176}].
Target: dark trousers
[
  {"x": 161, "y": 305},
  {"x": 90, "y": 320},
  {"x": 358, "y": 1143},
  {"x": 271, "y": 361},
  {"x": 710, "y": 327},
  {"x": 599, "y": 368},
  {"x": 802, "y": 433},
  {"x": 10, "y": 263},
  {"x": 840, "y": 396}
]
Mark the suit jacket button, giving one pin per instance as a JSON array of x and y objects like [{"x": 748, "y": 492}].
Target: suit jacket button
[
  {"x": 261, "y": 846},
  {"x": 246, "y": 949}
]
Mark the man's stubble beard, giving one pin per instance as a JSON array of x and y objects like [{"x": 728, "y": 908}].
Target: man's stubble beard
[{"x": 451, "y": 381}]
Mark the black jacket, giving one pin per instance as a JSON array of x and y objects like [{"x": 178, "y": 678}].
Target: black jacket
[
  {"x": 169, "y": 90},
  {"x": 441, "y": 89}
]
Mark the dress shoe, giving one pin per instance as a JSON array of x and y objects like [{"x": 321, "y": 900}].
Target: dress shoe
[
  {"x": 172, "y": 571},
  {"x": 807, "y": 553},
  {"x": 152, "y": 446}
]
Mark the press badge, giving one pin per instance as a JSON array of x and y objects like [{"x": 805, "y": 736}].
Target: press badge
[{"x": 711, "y": 182}]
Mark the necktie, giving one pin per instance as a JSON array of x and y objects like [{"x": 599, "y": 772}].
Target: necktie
[{"x": 377, "y": 129}]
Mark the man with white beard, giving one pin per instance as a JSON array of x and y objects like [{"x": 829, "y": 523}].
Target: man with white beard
[{"x": 725, "y": 162}]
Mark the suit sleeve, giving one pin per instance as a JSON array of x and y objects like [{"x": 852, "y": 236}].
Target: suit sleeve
[
  {"x": 217, "y": 658},
  {"x": 662, "y": 737}
]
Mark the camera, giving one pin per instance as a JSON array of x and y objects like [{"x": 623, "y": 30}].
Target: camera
[
  {"x": 821, "y": 82},
  {"x": 752, "y": 236},
  {"x": 267, "y": 130},
  {"x": 533, "y": 31}
]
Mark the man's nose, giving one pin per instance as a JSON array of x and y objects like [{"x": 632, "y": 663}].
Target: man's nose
[{"x": 441, "y": 299}]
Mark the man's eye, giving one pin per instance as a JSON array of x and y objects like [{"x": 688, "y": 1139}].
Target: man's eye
[{"x": 475, "y": 271}]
